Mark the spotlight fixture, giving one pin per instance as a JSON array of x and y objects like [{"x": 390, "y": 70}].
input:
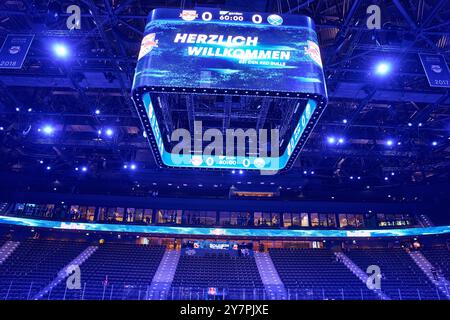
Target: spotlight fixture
[
  {"x": 60, "y": 50},
  {"x": 383, "y": 68},
  {"x": 331, "y": 140},
  {"x": 48, "y": 129},
  {"x": 109, "y": 132}
]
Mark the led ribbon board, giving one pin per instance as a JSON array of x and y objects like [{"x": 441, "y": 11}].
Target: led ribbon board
[
  {"x": 224, "y": 232},
  {"x": 214, "y": 52}
]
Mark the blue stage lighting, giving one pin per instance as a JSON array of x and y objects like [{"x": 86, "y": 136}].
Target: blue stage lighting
[
  {"x": 97, "y": 111},
  {"x": 48, "y": 168},
  {"x": 109, "y": 132},
  {"x": 434, "y": 143},
  {"x": 389, "y": 142},
  {"x": 60, "y": 50},
  {"x": 125, "y": 166},
  {"x": 331, "y": 140},
  {"x": 48, "y": 129},
  {"x": 241, "y": 172},
  {"x": 233, "y": 171},
  {"x": 84, "y": 169},
  {"x": 341, "y": 140},
  {"x": 133, "y": 167},
  {"x": 383, "y": 68},
  {"x": 344, "y": 121}
]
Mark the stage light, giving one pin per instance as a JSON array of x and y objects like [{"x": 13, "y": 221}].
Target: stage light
[
  {"x": 386, "y": 178},
  {"x": 76, "y": 169},
  {"x": 133, "y": 167},
  {"x": 241, "y": 171},
  {"x": 312, "y": 172},
  {"x": 233, "y": 171},
  {"x": 305, "y": 172},
  {"x": 351, "y": 177},
  {"x": 48, "y": 129},
  {"x": 2, "y": 128},
  {"x": 389, "y": 142},
  {"x": 125, "y": 166},
  {"x": 17, "y": 109},
  {"x": 84, "y": 169},
  {"x": 48, "y": 168},
  {"x": 97, "y": 111},
  {"x": 359, "y": 178},
  {"x": 420, "y": 124},
  {"x": 60, "y": 50},
  {"x": 344, "y": 121},
  {"x": 392, "y": 173},
  {"x": 109, "y": 132},
  {"x": 434, "y": 143},
  {"x": 383, "y": 68},
  {"x": 331, "y": 140},
  {"x": 341, "y": 140},
  {"x": 41, "y": 161},
  {"x": 29, "y": 109},
  {"x": 409, "y": 124}
]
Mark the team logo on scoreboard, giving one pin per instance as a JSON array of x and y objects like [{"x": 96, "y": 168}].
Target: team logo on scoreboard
[
  {"x": 259, "y": 163},
  {"x": 436, "y": 68},
  {"x": 275, "y": 20},
  {"x": 313, "y": 52},
  {"x": 188, "y": 15},
  {"x": 14, "y": 49},
  {"x": 147, "y": 44},
  {"x": 197, "y": 160}
]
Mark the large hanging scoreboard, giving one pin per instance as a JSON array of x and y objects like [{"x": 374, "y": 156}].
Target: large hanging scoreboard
[{"x": 215, "y": 52}]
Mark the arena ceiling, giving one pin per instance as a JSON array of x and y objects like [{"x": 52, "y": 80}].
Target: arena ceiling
[{"x": 365, "y": 111}]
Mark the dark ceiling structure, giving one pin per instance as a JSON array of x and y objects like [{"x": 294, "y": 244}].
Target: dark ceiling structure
[{"x": 395, "y": 130}]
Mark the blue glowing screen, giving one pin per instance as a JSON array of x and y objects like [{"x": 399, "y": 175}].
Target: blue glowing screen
[
  {"x": 211, "y": 48},
  {"x": 226, "y": 232}
]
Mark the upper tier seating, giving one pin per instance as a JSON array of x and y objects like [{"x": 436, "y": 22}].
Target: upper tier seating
[
  {"x": 401, "y": 277},
  {"x": 238, "y": 276},
  {"x": 439, "y": 258},
  {"x": 316, "y": 274},
  {"x": 128, "y": 268},
  {"x": 33, "y": 265}
]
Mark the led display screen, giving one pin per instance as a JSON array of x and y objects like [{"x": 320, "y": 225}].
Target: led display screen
[
  {"x": 225, "y": 232},
  {"x": 216, "y": 52},
  {"x": 226, "y": 50}
]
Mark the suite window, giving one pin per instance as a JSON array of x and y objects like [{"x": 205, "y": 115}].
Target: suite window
[
  {"x": 148, "y": 216},
  {"x": 264, "y": 219},
  {"x": 331, "y": 219},
  {"x": 288, "y": 219},
  {"x": 323, "y": 220},
  {"x": 314, "y": 219},
  {"x": 200, "y": 217},
  {"x": 138, "y": 215},
  {"x": 169, "y": 216},
  {"x": 304, "y": 219},
  {"x": 130, "y": 214},
  {"x": 343, "y": 220},
  {"x": 102, "y": 213},
  {"x": 90, "y": 213}
]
